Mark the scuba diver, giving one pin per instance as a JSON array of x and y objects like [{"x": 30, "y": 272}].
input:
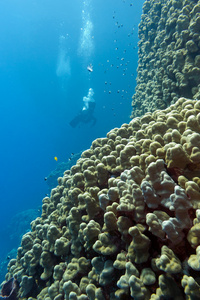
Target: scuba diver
[{"x": 86, "y": 114}]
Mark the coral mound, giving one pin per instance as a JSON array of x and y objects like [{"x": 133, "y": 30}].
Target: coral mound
[
  {"x": 169, "y": 54},
  {"x": 124, "y": 222}
]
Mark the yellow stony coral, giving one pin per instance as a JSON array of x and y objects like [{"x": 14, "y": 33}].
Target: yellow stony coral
[
  {"x": 191, "y": 288},
  {"x": 193, "y": 191},
  {"x": 102, "y": 174},
  {"x": 113, "y": 194},
  {"x": 53, "y": 290},
  {"x": 90, "y": 177},
  {"x": 104, "y": 245},
  {"x": 147, "y": 276},
  {"x": 168, "y": 288},
  {"x": 123, "y": 224},
  {"x": 194, "y": 235},
  {"x": 154, "y": 147},
  {"x": 62, "y": 246},
  {"x": 59, "y": 271},
  {"x": 53, "y": 234},
  {"x": 69, "y": 287},
  {"x": 168, "y": 262},
  {"x": 110, "y": 162},
  {"x": 91, "y": 204},
  {"x": 177, "y": 157},
  {"x": 137, "y": 174},
  {"x": 107, "y": 273},
  {"x": 194, "y": 260},
  {"x": 76, "y": 266},
  {"x": 120, "y": 262},
  {"x": 27, "y": 242},
  {"x": 138, "y": 251},
  {"x": 123, "y": 282},
  {"x": 47, "y": 263},
  {"x": 78, "y": 180},
  {"x": 90, "y": 233},
  {"x": 137, "y": 288},
  {"x": 154, "y": 225},
  {"x": 110, "y": 222}
]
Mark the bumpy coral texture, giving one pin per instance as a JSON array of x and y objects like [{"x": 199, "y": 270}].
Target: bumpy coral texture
[
  {"x": 169, "y": 54},
  {"x": 124, "y": 222}
]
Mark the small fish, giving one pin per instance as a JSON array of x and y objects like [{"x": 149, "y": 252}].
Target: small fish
[
  {"x": 90, "y": 68},
  {"x": 56, "y": 159},
  {"x": 45, "y": 178}
]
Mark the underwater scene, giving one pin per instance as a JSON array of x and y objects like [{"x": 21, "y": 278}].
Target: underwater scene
[
  {"x": 52, "y": 54},
  {"x": 100, "y": 148}
]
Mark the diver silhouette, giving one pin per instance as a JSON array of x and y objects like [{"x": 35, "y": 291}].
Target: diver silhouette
[{"x": 86, "y": 114}]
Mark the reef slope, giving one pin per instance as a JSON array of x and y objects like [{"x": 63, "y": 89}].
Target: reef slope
[{"x": 124, "y": 222}]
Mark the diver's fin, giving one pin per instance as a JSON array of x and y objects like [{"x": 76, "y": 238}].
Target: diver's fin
[{"x": 75, "y": 121}]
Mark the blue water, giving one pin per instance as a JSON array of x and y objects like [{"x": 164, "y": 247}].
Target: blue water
[{"x": 45, "y": 48}]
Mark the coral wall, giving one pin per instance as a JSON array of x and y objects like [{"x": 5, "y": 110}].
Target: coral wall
[
  {"x": 124, "y": 222},
  {"x": 169, "y": 54}
]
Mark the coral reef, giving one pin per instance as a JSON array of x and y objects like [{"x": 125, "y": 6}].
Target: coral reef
[
  {"x": 169, "y": 54},
  {"x": 124, "y": 222}
]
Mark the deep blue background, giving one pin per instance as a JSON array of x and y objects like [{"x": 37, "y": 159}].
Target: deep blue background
[{"x": 36, "y": 105}]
